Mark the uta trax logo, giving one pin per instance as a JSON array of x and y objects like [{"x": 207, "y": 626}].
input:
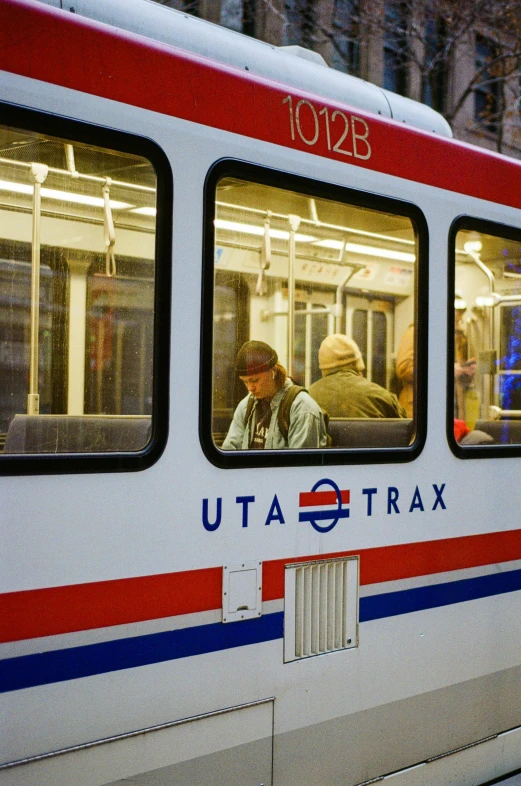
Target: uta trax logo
[
  {"x": 324, "y": 506},
  {"x": 318, "y": 500}
]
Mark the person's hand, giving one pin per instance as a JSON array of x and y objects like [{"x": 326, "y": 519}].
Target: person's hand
[{"x": 467, "y": 369}]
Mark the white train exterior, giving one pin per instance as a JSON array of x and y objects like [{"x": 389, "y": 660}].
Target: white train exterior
[{"x": 176, "y": 613}]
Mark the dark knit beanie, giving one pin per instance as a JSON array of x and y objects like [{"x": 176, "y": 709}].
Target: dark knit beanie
[{"x": 255, "y": 357}]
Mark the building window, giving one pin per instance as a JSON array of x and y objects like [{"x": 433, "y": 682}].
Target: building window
[
  {"x": 395, "y": 47},
  {"x": 345, "y": 30},
  {"x": 188, "y": 6},
  {"x": 300, "y": 23},
  {"x": 238, "y": 15},
  {"x": 434, "y": 74},
  {"x": 486, "y": 94}
]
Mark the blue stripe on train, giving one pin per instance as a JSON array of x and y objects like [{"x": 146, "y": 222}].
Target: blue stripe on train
[
  {"x": 390, "y": 604},
  {"x": 68, "y": 664}
]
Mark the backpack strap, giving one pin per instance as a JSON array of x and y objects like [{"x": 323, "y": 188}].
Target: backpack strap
[
  {"x": 249, "y": 408},
  {"x": 283, "y": 416}
]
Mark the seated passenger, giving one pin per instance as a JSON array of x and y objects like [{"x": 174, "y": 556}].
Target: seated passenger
[
  {"x": 343, "y": 392},
  {"x": 405, "y": 370},
  {"x": 465, "y": 436},
  {"x": 257, "y": 422}
]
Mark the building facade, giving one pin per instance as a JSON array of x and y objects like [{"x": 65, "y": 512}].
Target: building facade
[{"x": 463, "y": 62}]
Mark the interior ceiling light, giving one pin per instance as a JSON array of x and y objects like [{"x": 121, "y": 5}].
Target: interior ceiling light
[
  {"x": 62, "y": 196},
  {"x": 251, "y": 229},
  {"x": 281, "y": 234},
  {"x": 145, "y": 211},
  {"x": 472, "y": 246},
  {"x": 372, "y": 251},
  {"x": 324, "y": 225},
  {"x": 485, "y": 300}
]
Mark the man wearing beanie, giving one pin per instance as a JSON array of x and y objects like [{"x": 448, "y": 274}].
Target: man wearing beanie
[
  {"x": 255, "y": 423},
  {"x": 343, "y": 392}
]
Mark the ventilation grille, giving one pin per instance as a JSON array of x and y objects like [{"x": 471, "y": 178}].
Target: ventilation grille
[{"x": 320, "y": 607}]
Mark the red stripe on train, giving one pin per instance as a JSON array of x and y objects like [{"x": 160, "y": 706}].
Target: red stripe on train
[
  {"x": 48, "y": 44},
  {"x": 58, "y": 610},
  {"x": 308, "y": 499},
  {"x": 391, "y": 563},
  {"x": 46, "y": 612}
]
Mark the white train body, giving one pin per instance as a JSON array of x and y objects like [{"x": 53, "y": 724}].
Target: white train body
[{"x": 124, "y": 658}]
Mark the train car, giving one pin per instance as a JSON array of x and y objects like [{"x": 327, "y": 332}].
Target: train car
[{"x": 180, "y": 605}]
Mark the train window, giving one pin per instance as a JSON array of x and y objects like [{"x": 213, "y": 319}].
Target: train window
[
  {"x": 78, "y": 274},
  {"x": 484, "y": 409},
  {"x": 315, "y": 288}
]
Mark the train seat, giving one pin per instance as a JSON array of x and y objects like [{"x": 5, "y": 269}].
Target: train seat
[
  {"x": 77, "y": 433},
  {"x": 371, "y": 432},
  {"x": 503, "y": 432}
]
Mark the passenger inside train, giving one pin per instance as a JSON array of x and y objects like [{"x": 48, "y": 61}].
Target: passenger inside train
[
  {"x": 275, "y": 414},
  {"x": 343, "y": 392}
]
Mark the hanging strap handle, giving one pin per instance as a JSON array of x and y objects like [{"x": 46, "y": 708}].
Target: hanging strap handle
[
  {"x": 265, "y": 257},
  {"x": 109, "y": 231}
]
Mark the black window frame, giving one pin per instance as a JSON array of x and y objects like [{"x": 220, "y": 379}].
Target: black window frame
[
  {"x": 67, "y": 128},
  {"x": 486, "y": 227},
  {"x": 317, "y": 456}
]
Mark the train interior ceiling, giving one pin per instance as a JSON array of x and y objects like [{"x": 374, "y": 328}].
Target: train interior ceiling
[{"x": 78, "y": 276}]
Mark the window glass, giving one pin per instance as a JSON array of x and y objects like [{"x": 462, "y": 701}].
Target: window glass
[
  {"x": 487, "y": 337},
  {"x": 360, "y": 323},
  {"x": 379, "y": 354},
  {"x": 77, "y": 271},
  {"x": 345, "y": 54},
  {"x": 288, "y": 267},
  {"x": 299, "y": 27},
  {"x": 396, "y": 46},
  {"x": 487, "y": 92},
  {"x": 434, "y": 77}
]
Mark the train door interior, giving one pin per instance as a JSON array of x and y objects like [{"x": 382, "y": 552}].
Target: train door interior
[{"x": 370, "y": 322}]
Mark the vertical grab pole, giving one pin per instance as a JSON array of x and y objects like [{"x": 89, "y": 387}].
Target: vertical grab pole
[
  {"x": 342, "y": 260},
  {"x": 473, "y": 249},
  {"x": 39, "y": 173},
  {"x": 340, "y": 322},
  {"x": 294, "y": 223}
]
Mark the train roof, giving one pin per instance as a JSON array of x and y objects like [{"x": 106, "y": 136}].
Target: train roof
[
  {"x": 292, "y": 65},
  {"x": 138, "y": 71}
]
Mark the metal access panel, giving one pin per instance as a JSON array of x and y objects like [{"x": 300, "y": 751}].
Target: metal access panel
[
  {"x": 232, "y": 746},
  {"x": 242, "y": 591},
  {"x": 246, "y": 764}
]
